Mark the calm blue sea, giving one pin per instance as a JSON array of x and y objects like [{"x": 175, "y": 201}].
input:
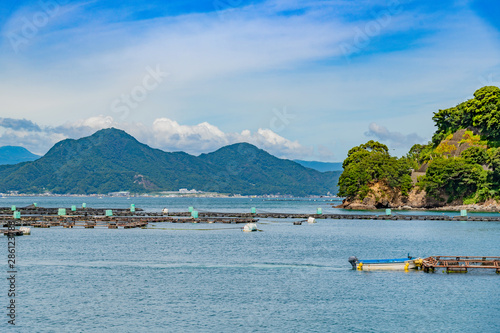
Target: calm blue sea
[{"x": 215, "y": 278}]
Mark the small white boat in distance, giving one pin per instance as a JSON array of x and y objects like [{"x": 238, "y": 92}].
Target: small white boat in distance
[
  {"x": 311, "y": 220},
  {"x": 249, "y": 227},
  {"x": 25, "y": 230}
]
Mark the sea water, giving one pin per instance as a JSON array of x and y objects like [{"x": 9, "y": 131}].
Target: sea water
[{"x": 216, "y": 278}]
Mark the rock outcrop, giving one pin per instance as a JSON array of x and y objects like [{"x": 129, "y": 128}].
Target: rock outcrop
[{"x": 382, "y": 196}]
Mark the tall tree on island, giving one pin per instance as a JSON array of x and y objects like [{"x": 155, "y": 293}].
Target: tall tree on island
[{"x": 369, "y": 163}]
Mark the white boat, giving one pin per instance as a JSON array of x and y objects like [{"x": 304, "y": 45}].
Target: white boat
[
  {"x": 398, "y": 264},
  {"x": 249, "y": 227},
  {"x": 25, "y": 230}
]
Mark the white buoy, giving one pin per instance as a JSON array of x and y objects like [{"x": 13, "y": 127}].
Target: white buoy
[
  {"x": 250, "y": 227},
  {"x": 311, "y": 220}
]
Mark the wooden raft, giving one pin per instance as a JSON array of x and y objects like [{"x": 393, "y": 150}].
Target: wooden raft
[{"x": 460, "y": 264}]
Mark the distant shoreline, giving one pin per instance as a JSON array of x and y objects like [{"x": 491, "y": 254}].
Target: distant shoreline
[{"x": 198, "y": 195}]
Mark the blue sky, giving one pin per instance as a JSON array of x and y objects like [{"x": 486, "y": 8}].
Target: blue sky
[{"x": 301, "y": 79}]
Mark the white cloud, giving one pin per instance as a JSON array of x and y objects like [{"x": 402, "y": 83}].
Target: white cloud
[
  {"x": 394, "y": 139},
  {"x": 106, "y": 57},
  {"x": 169, "y": 135},
  {"x": 164, "y": 133},
  {"x": 274, "y": 144},
  {"x": 38, "y": 142},
  {"x": 238, "y": 66}
]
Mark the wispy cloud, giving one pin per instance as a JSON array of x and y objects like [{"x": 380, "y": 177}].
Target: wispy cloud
[
  {"x": 106, "y": 56},
  {"x": 232, "y": 65},
  {"x": 394, "y": 139}
]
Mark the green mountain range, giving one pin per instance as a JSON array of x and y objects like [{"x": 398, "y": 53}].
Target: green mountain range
[
  {"x": 111, "y": 160},
  {"x": 14, "y": 155}
]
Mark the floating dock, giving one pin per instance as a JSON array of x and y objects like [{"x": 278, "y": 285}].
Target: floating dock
[
  {"x": 138, "y": 212},
  {"x": 350, "y": 216},
  {"x": 39, "y": 217},
  {"x": 459, "y": 264},
  {"x": 89, "y": 218}
]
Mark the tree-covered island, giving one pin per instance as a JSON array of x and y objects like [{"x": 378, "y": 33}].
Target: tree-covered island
[{"x": 459, "y": 167}]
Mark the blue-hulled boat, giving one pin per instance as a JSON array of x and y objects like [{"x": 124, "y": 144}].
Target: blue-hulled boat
[{"x": 385, "y": 264}]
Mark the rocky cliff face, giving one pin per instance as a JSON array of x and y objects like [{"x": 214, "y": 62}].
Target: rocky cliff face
[{"x": 382, "y": 196}]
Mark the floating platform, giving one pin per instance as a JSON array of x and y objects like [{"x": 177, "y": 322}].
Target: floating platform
[
  {"x": 460, "y": 264},
  {"x": 32, "y": 213},
  {"x": 31, "y": 210},
  {"x": 230, "y": 220},
  {"x": 90, "y": 223},
  {"x": 349, "y": 216},
  {"x": 39, "y": 217}
]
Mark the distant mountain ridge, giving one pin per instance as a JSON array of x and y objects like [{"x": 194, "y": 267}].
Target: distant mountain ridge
[
  {"x": 272, "y": 174},
  {"x": 15, "y": 154},
  {"x": 111, "y": 160},
  {"x": 321, "y": 166}
]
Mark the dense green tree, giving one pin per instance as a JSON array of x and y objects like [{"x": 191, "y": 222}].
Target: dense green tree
[
  {"x": 450, "y": 120},
  {"x": 485, "y": 111},
  {"x": 476, "y": 155},
  {"x": 357, "y": 153},
  {"x": 419, "y": 154},
  {"x": 455, "y": 177},
  {"x": 482, "y": 112},
  {"x": 371, "y": 162},
  {"x": 494, "y": 164},
  {"x": 415, "y": 151}
]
